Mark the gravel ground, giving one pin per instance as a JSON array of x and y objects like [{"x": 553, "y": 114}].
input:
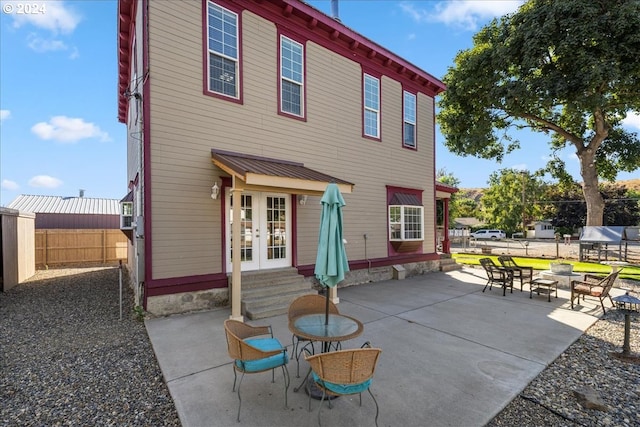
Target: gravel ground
[
  {"x": 67, "y": 359},
  {"x": 549, "y": 399}
]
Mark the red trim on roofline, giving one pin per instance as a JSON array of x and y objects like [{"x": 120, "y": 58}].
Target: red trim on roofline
[
  {"x": 311, "y": 23},
  {"x": 440, "y": 186},
  {"x": 126, "y": 32}
]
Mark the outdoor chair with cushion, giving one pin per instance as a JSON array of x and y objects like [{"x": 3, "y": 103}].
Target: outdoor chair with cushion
[
  {"x": 519, "y": 271},
  {"x": 344, "y": 372},
  {"x": 254, "y": 349},
  {"x": 497, "y": 275},
  {"x": 307, "y": 304},
  {"x": 594, "y": 286}
]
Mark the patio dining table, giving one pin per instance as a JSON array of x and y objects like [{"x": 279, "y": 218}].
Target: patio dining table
[{"x": 316, "y": 327}]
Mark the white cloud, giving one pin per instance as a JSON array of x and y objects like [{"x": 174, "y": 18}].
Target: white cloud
[
  {"x": 40, "y": 45},
  {"x": 466, "y": 14},
  {"x": 632, "y": 120},
  {"x": 4, "y": 115},
  {"x": 55, "y": 16},
  {"x": 522, "y": 167},
  {"x": 74, "y": 53},
  {"x": 45, "y": 181},
  {"x": 68, "y": 129},
  {"x": 9, "y": 185}
]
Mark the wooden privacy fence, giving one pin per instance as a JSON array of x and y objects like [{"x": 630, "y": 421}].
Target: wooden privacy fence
[{"x": 66, "y": 247}]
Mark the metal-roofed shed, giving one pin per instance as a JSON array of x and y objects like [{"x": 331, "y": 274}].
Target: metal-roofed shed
[
  {"x": 56, "y": 212},
  {"x": 595, "y": 240}
]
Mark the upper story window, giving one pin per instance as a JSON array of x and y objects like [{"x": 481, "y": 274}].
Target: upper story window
[
  {"x": 291, "y": 77},
  {"x": 371, "y": 106},
  {"x": 409, "y": 128},
  {"x": 223, "y": 57}
]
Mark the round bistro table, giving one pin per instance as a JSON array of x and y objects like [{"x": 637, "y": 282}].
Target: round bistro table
[{"x": 314, "y": 327}]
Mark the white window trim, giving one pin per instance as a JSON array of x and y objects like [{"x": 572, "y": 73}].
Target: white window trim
[
  {"x": 370, "y": 109},
  {"x": 406, "y": 120},
  {"x": 222, "y": 55},
  {"x": 283, "y": 78},
  {"x": 402, "y": 224},
  {"x": 126, "y": 220}
]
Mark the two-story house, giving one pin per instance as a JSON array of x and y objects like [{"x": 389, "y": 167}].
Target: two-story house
[{"x": 240, "y": 112}]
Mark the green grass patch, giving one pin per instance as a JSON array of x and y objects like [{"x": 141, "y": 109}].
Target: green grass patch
[{"x": 628, "y": 272}]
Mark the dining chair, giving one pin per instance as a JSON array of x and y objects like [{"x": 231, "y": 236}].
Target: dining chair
[
  {"x": 254, "y": 350},
  {"x": 344, "y": 372},
  {"x": 306, "y": 304},
  {"x": 519, "y": 271}
]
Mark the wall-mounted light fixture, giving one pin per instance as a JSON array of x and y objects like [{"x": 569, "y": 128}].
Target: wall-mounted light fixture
[
  {"x": 302, "y": 199},
  {"x": 215, "y": 190}
]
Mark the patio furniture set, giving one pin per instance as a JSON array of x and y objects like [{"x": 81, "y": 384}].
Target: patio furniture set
[
  {"x": 503, "y": 275},
  {"x": 333, "y": 371}
]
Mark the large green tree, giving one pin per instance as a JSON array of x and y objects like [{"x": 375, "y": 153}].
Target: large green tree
[
  {"x": 568, "y": 68},
  {"x": 510, "y": 202}
]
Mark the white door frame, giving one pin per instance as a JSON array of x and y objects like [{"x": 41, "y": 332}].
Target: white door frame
[{"x": 259, "y": 233}]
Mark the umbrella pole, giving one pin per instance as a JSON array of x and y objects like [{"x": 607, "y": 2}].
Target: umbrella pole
[{"x": 326, "y": 308}]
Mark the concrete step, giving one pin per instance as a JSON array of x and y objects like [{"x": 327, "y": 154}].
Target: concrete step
[
  {"x": 270, "y": 306},
  {"x": 270, "y": 292},
  {"x": 450, "y": 267},
  {"x": 253, "y": 279},
  {"x": 449, "y": 264}
]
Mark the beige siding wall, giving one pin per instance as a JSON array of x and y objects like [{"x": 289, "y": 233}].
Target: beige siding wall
[{"x": 186, "y": 124}]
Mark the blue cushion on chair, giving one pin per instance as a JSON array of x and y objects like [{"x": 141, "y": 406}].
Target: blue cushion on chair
[
  {"x": 342, "y": 388},
  {"x": 264, "y": 344}
]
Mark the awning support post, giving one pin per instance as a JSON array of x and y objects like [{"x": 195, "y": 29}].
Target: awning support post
[{"x": 236, "y": 274}]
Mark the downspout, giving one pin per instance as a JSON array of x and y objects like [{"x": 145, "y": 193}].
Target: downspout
[{"x": 365, "y": 253}]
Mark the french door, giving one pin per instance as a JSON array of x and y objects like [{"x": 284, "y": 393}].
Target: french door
[{"x": 265, "y": 231}]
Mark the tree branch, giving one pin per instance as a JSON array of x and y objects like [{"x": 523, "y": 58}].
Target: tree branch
[{"x": 575, "y": 140}]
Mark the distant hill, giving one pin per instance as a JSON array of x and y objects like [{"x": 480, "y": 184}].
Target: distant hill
[
  {"x": 476, "y": 193},
  {"x": 631, "y": 184}
]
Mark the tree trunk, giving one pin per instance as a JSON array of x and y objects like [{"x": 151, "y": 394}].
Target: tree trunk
[{"x": 595, "y": 203}]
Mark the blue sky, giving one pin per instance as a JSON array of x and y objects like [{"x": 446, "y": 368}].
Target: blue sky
[{"x": 58, "y": 81}]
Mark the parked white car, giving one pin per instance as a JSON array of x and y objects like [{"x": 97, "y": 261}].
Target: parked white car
[{"x": 489, "y": 234}]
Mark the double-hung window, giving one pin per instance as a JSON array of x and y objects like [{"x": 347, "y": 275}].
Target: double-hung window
[
  {"x": 409, "y": 128},
  {"x": 222, "y": 45},
  {"x": 371, "y": 106},
  {"x": 291, "y": 77}
]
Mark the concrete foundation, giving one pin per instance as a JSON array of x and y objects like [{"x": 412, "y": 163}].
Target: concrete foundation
[{"x": 164, "y": 305}]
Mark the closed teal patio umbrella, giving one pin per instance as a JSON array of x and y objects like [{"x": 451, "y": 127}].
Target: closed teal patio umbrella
[{"x": 331, "y": 259}]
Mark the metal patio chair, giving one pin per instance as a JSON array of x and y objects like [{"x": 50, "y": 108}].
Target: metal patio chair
[
  {"x": 519, "y": 272},
  {"x": 497, "y": 275}
]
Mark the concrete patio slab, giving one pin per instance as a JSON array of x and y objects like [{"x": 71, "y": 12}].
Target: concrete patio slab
[{"x": 452, "y": 355}]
